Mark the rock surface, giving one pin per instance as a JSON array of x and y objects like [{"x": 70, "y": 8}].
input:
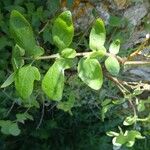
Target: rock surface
[{"x": 134, "y": 13}]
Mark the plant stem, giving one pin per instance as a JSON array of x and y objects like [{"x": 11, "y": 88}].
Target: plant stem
[
  {"x": 123, "y": 61},
  {"x": 53, "y": 56}
]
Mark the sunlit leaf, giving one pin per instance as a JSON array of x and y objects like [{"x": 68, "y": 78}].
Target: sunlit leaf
[
  {"x": 63, "y": 30},
  {"x": 114, "y": 47},
  {"x": 90, "y": 72},
  {"x": 53, "y": 82},
  {"x": 112, "y": 65},
  {"x": 97, "y": 35}
]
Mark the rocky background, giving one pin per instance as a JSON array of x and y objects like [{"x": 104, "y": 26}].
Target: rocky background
[{"x": 125, "y": 19}]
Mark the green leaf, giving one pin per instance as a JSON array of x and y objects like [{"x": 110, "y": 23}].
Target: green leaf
[
  {"x": 9, "y": 80},
  {"x": 5, "y": 124},
  {"x": 114, "y": 47},
  {"x": 127, "y": 138},
  {"x": 8, "y": 127},
  {"x": 23, "y": 34},
  {"x": 23, "y": 116},
  {"x": 138, "y": 91},
  {"x": 106, "y": 102},
  {"x": 68, "y": 53},
  {"x": 105, "y": 109},
  {"x": 97, "y": 35},
  {"x": 24, "y": 80},
  {"x": 14, "y": 129},
  {"x": 67, "y": 105},
  {"x": 141, "y": 106},
  {"x": 53, "y": 82},
  {"x": 90, "y": 72},
  {"x": 115, "y": 21},
  {"x": 129, "y": 120},
  {"x": 119, "y": 140},
  {"x": 63, "y": 30},
  {"x": 112, "y": 65},
  {"x": 17, "y": 60}
]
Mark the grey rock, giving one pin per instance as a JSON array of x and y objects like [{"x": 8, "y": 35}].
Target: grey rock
[{"x": 135, "y": 13}]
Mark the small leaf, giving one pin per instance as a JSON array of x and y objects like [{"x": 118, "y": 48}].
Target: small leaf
[
  {"x": 14, "y": 129},
  {"x": 63, "y": 30},
  {"x": 67, "y": 105},
  {"x": 9, "y": 80},
  {"x": 105, "y": 109},
  {"x": 53, "y": 82},
  {"x": 129, "y": 120},
  {"x": 24, "y": 80},
  {"x": 106, "y": 102},
  {"x": 17, "y": 60},
  {"x": 68, "y": 53},
  {"x": 5, "y": 124},
  {"x": 121, "y": 139},
  {"x": 23, "y": 34},
  {"x": 90, "y": 72},
  {"x": 115, "y": 21},
  {"x": 138, "y": 91},
  {"x": 141, "y": 106},
  {"x": 97, "y": 35},
  {"x": 112, "y": 65},
  {"x": 22, "y": 117},
  {"x": 114, "y": 47},
  {"x": 8, "y": 127}
]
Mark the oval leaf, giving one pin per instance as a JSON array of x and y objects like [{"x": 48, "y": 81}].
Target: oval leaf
[
  {"x": 14, "y": 129},
  {"x": 90, "y": 72},
  {"x": 23, "y": 34},
  {"x": 63, "y": 30},
  {"x": 112, "y": 65},
  {"x": 24, "y": 80},
  {"x": 53, "y": 82},
  {"x": 97, "y": 35},
  {"x": 114, "y": 47}
]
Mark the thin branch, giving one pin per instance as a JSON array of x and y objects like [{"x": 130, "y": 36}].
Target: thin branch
[
  {"x": 123, "y": 61},
  {"x": 10, "y": 109},
  {"x": 136, "y": 62},
  {"x": 53, "y": 56},
  {"x": 42, "y": 115},
  {"x": 44, "y": 27},
  {"x": 133, "y": 107}
]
